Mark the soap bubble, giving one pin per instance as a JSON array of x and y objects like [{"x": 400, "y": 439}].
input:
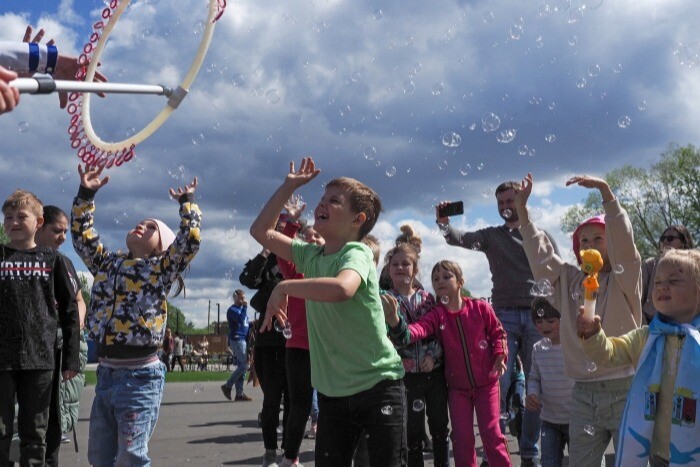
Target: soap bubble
[
  {"x": 370, "y": 153},
  {"x": 445, "y": 299},
  {"x": 490, "y": 122},
  {"x": 618, "y": 269},
  {"x": 483, "y": 345},
  {"x": 387, "y": 410},
  {"x": 589, "y": 430},
  {"x": 550, "y": 138},
  {"x": 418, "y": 405},
  {"x": 437, "y": 88},
  {"x": 23, "y": 127},
  {"x": 506, "y": 136},
  {"x": 591, "y": 367},
  {"x": 624, "y": 121},
  {"x": 390, "y": 171},
  {"x": 450, "y": 139},
  {"x": 198, "y": 388},
  {"x": 546, "y": 343}
]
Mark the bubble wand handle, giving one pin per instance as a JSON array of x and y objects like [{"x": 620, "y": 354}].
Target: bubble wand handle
[
  {"x": 591, "y": 263},
  {"x": 47, "y": 86}
]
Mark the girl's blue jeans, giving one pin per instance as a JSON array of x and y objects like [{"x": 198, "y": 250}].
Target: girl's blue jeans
[{"x": 124, "y": 415}]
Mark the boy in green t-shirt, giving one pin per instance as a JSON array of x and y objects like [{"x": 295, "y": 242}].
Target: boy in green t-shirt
[{"x": 354, "y": 366}]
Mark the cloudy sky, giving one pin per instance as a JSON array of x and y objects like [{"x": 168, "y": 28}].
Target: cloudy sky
[{"x": 424, "y": 101}]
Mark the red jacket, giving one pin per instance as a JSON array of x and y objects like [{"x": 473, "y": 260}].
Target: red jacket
[{"x": 296, "y": 307}]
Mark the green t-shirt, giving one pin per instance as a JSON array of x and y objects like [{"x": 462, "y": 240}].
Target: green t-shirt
[{"x": 348, "y": 344}]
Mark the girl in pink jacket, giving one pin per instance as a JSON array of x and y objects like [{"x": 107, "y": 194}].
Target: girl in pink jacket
[{"x": 474, "y": 344}]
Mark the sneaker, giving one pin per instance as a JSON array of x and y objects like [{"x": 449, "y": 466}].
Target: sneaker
[
  {"x": 529, "y": 462},
  {"x": 290, "y": 463},
  {"x": 242, "y": 397},
  {"x": 312, "y": 431},
  {"x": 227, "y": 391},
  {"x": 65, "y": 439},
  {"x": 270, "y": 458}
]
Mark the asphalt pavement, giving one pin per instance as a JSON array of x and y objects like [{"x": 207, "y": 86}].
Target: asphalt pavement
[{"x": 199, "y": 427}]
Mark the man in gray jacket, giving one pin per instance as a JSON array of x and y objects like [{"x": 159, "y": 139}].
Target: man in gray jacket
[{"x": 511, "y": 296}]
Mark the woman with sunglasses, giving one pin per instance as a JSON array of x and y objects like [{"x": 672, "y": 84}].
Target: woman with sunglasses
[{"x": 675, "y": 236}]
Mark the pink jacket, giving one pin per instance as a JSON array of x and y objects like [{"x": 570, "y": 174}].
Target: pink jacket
[{"x": 471, "y": 339}]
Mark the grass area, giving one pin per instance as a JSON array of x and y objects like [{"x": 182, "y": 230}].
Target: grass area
[{"x": 176, "y": 376}]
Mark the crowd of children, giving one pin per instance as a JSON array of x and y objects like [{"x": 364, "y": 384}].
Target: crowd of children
[{"x": 382, "y": 354}]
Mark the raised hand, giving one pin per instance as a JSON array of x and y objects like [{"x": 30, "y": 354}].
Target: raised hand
[
  {"x": 189, "y": 188},
  {"x": 441, "y": 220},
  {"x": 587, "y": 328},
  {"x": 90, "y": 177},
  {"x": 295, "y": 207},
  {"x": 307, "y": 172},
  {"x": 523, "y": 193},
  {"x": 66, "y": 66}
]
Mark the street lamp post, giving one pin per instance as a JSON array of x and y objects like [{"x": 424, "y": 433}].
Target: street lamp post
[{"x": 218, "y": 318}]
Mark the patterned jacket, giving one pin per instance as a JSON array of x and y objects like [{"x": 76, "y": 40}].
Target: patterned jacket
[
  {"x": 411, "y": 310},
  {"x": 128, "y": 308}
]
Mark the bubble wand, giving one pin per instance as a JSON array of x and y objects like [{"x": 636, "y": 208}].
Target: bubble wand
[
  {"x": 90, "y": 148},
  {"x": 591, "y": 263}
]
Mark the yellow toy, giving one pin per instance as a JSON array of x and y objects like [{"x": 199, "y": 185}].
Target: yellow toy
[{"x": 591, "y": 263}]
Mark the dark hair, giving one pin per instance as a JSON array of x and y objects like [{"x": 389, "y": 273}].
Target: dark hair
[
  {"x": 52, "y": 214},
  {"x": 542, "y": 309},
  {"x": 682, "y": 231},
  {"x": 505, "y": 186},
  {"x": 362, "y": 199}
]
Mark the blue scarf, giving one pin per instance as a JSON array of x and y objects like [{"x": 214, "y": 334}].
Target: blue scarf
[{"x": 637, "y": 426}]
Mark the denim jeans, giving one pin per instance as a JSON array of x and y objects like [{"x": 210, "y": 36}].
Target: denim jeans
[
  {"x": 522, "y": 335},
  {"x": 314, "y": 407},
  {"x": 124, "y": 415},
  {"x": 238, "y": 347},
  {"x": 380, "y": 411},
  {"x": 555, "y": 436},
  {"x": 33, "y": 391}
]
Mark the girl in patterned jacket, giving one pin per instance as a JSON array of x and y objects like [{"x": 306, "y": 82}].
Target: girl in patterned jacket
[
  {"x": 127, "y": 317},
  {"x": 474, "y": 343},
  {"x": 422, "y": 360}
]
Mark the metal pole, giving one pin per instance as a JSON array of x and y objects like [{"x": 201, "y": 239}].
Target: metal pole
[
  {"x": 46, "y": 85},
  {"x": 208, "y": 316},
  {"x": 177, "y": 327},
  {"x": 218, "y": 318}
]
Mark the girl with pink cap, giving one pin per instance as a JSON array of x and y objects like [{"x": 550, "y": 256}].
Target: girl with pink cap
[{"x": 127, "y": 317}]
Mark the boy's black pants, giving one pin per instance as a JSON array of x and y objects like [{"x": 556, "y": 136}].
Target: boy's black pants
[{"x": 32, "y": 388}]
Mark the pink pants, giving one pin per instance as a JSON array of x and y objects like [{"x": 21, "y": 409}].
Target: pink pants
[{"x": 486, "y": 401}]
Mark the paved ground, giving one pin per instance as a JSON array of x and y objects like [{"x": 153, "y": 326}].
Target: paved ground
[{"x": 198, "y": 427}]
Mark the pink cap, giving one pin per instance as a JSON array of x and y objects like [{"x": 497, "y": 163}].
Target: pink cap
[{"x": 598, "y": 220}]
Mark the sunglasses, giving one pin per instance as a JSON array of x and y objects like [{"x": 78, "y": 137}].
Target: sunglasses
[{"x": 668, "y": 238}]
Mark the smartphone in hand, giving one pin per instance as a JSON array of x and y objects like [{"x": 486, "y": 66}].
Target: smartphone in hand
[{"x": 452, "y": 209}]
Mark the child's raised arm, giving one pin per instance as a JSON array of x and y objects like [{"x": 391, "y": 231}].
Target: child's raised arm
[
  {"x": 263, "y": 228},
  {"x": 593, "y": 182},
  {"x": 521, "y": 196}
]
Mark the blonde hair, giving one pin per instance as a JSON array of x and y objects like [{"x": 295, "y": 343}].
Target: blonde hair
[
  {"x": 21, "y": 199},
  {"x": 373, "y": 243},
  {"x": 362, "y": 199},
  {"x": 689, "y": 260},
  {"x": 408, "y": 235}
]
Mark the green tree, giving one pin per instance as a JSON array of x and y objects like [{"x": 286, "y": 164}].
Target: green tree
[
  {"x": 667, "y": 193},
  {"x": 3, "y": 236},
  {"x": 175, "y": 316}
]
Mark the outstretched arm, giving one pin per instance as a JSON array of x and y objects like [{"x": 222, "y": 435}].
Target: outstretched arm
[
  {"x": 263, "y": 227},
  {"x": 593, "y": 182},
  {"x": 321, "y": 289}
]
